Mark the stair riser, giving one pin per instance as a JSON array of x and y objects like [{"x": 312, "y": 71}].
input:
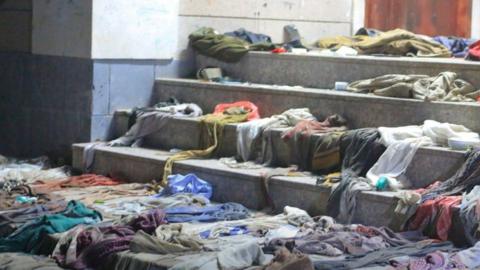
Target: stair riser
[
  {"x": 323, "y": 72},
  {"x": 359, "y": 110}
]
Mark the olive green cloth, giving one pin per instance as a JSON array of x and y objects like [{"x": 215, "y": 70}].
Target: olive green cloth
[
  {"x": 225, "y": 48},
  {"x": 446, "y": 86},
  {"x": 394, "y": 42}
]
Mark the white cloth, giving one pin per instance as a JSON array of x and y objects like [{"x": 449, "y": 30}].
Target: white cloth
[
  {"x": 393, "y": 164},
  {"x": 429, "y": 134}
]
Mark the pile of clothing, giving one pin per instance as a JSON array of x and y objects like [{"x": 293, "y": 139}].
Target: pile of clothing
[{"x": 446, "y": 86}]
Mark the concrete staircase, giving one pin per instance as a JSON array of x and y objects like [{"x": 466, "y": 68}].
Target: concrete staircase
[{"x": 244, "y": 185}]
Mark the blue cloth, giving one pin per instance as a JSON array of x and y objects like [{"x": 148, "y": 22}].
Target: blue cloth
[
  {"x": 218, "y": 212},
  {"x": 235, "y": 230},
  {"x": 189, "y": 183},
  {"x": 249, "y": 37},
  {"x": 458, "y": 46}
]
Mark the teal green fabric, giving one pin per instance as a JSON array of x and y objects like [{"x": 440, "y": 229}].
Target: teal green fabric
[
  {"x": 225, "y": 48},
  {"x": 28, "y": 237}
]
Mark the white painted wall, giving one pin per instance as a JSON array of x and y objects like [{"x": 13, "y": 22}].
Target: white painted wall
[
  {"x": 313, "y": 18},
  {"x": 140, "y": 29}
]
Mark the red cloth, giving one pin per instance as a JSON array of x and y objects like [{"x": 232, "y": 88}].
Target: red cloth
[
  {"x": 438, "y": 210},
  {"x": 279, "y": 50},
  {"x": 85, "y": 180},
  {"x": 248, "y": 106},
  {"x": 474, "y": 51}
]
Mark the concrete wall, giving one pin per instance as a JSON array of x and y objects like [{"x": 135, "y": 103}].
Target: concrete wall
[
  {"x": 15, "y": 25},
  {"x": 44, "y": 104}
]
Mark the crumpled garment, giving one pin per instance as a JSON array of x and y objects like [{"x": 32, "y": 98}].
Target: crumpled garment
[
  {"x": 154, "y": 121},
  {"x": 249, "y": 134},
  {"x": 342, "y": 239},
  {"x": 393, "y": 42},
  {"x": 464, "y": 180},
  {"x": 248, "y": 36},
  {"x": 434, "y": 260},
  {"x": 168, "y": 239},
  {"x": 212, "y": 126},
  {"x": 208, "y": 42},
  {"x": 27, "y": 174},
  {"x": 124, "y": 206},
  {"x": 285, "y": 260},
  {"x": 85, "y": 247},
  {"x": 28, "y": 237},
  {"x": 189, "y": 183},
  {"x": 239, "y": 107},
  {"x": 458, "y": 46},
  {"x": 474, "y": 51},
  {"x": 383, "y": 256},
  {"x": 235, "y": 257},
  {"x": 217, "y": 212},
  {"x": 434, "y": 217},
  {"x": 446, "y": 86},
  {"x": 333, "y": 123},
  {"x": 431, "y": 133},
  {"x": 24, "y": 196},
  {"x": 11, "y": 220},
  {"x": 393, "y": 164},
  {"x": 360, "y": 150},
  {"x": 84, "y": 180},
  {"x": 21, "y": 261},
  {"x": 470, "y": 214}
]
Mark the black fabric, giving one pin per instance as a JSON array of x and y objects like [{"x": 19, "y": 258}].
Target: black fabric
[
  {"x": 359, "y": 150},
  {"x": 464, "y": 180}
]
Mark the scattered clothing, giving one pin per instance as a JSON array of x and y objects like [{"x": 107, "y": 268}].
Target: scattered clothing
[
  {"x": 446, "y": 86},
  {"x": 249, "y": 37},
  {"x": 21, "y": 261},
  {"x": 431, "y": 133},
  {"x": 360, "y": 150},
  {"x": 154, "y": 120},
  {"x": 470, "y": 214},
  {"x": 249, "y": 134},
  {"x": 381, "y": 257},
  {"x": 474, "y": 51},
  {"x": 333, "y": 123},
  {"x": 212, "y": 126},
  {"x": 394, "y": 42},
  {"x": 219, "y": 212},
  {"x": 208, "y": 42},
  {"x": 456, "y": 45},
  {"x": 238, "y": 108},
  {"x": 434, "y": 217},
  {"x": 28, "y": 237}
]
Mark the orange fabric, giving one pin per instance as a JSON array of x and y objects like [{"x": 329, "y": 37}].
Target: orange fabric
[
  {"x": 246, "y": 105},
  {"x": 85, "y": 180}
]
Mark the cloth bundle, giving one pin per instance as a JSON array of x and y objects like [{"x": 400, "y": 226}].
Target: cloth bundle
[
  {"x": 446, "y": 86},
  {"x": 226, "y": 48},
  {"x": 394, "y": 42}
]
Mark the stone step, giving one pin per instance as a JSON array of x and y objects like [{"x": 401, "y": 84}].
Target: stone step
[
  {"x": 323, "y": 71},
  {"x": 429, "y": 164},
  {"x": 245, "y": 185},
  {"x": 360, "y": 110},
  {"x": 234, "y": 185}
]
